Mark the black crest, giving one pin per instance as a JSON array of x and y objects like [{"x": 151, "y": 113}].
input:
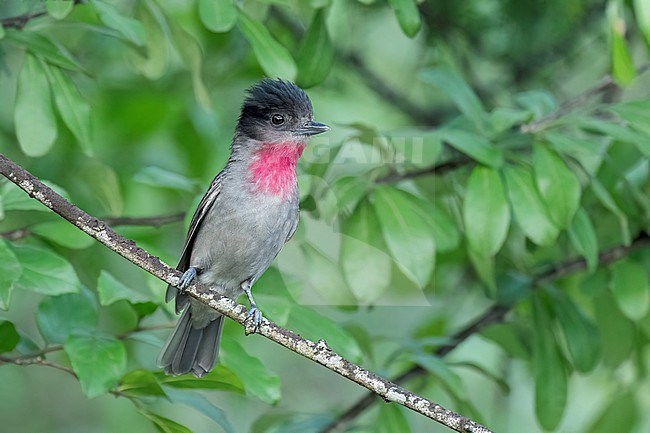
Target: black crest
[{"x": 271, "y": 96}]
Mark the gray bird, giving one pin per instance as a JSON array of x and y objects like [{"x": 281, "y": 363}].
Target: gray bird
[{"x": 249, "y": 211}]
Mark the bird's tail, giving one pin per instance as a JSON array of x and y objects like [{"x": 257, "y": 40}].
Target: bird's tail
[{"x": 191, "y": 349}]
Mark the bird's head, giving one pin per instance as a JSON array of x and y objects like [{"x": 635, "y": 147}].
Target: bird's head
[{"x": 278, "y": 111}]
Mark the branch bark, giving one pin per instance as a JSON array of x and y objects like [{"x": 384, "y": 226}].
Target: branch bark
[
  {"x": 318, "y": 352},
  {"x": 494, "y": 314}
]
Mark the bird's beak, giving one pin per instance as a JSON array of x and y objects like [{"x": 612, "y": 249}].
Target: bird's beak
[{"x": 312, "y": 128}]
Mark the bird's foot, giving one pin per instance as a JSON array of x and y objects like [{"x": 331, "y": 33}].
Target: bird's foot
[
  {"x": 253, "y": 320},
  {"x": 187, "y": 278}
]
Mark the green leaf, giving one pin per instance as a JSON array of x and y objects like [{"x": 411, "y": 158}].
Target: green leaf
[
  {"x": 618, "y": 132},
  {"x": 437, "y": 367},
  {"x": 45, "y": 271},
  {"x": 73, "y": 108},
  {"x": 153, "y": 62},
  {"x": 621, "y": 415},
  {"x": 325, "y": 277},
  {"x": 44, "y": 48},
  {"x": 474, "y": 146},
  {"x": 559, "y": 187},
  {"x": 274, "y": 58},
  {"x": 140, "y": 383},
  {"x": 59, "y": 316},
  {"x": 34, "y": 107},
  {"x": 10, "y": 271},
  {"x": 257, "y": 379},
  {"x": 573, "y": 146},
  {"x": 64, "y": 234},
  {"x": 550, "y": 373},
  {"x": 9, "y": 337},
  {"x": 580, "y": 332},
  {"x": 409, "y": 238},
  {"x": 445, "y": 232},
  {"x": 528, "y": 207},
  {"x": 219, "y": 378},
  {"x": 218, "y": 15},
  {"x": 507, "y": 337},
  {"x": 391, "y": 420},
  {"x": 348, "y": 191},
  {"x": 608, "y": 202},
  {"x": 165, "y": 425},
  {"x": 2, "y": 31},
  {"x": 201, "y": 404},
  {"x": 103, "y": 184},
  {"x": 538, "y": 102},
  {"x": 316, "y": 53},
  {"x": 485, "y": 212},
  {"x": 111, "y": 290},
  {"x": 316, "y": 326},
  {"x": 622, "y": 65},
  {"x": 99, "y": 362},
  {"x": 132, "y": 30},
  {"x": 583, "y": 238},
  {"x": 190, "y": 51},
  {"x": 642, "y": 14},
  {"x": 630, "y": 287},
  {"x": 290, "y": 422},
  {"x": 58, "y": 9},
  {"x": 408, "y": 17},
  {"x": 484, "y": 267},
  {"x": 503, "y": 119},
  {"x": 159, "y": 177},
  {"x": 416, "y": 148},
  {"x": 637, "y": 114},
  {"x": 455, "y": 87},
  {"x": 363, "y": 249},
  {"x": 617, "y": 332}
]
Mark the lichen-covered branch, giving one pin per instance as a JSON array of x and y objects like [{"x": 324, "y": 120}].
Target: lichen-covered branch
[
  {"x": 318, "y": 352},
  {"x": 494, "y": 314}
]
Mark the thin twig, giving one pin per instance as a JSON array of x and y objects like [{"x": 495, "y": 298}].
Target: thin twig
[
  {"x": 124, "y": 336},
  {"x": 36, "y": 360},
  {"x": 604, "y": 86},
  {"x": 492, "y": 315},
  {"x": 154, "y": 221},
  {"x": 20, "y": 21},
  {"x": 318, "y": 352},
  {"x": 438, "y": 169}
]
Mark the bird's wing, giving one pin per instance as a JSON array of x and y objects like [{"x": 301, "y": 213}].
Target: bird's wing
[
  {"x": 292, "y": 230},
  {"x": 203, "y": 208}
]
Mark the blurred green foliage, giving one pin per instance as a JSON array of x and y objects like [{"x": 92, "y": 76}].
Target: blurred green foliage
[{"x": 478, "y": 162}]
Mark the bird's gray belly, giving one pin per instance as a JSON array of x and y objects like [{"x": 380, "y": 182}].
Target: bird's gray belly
[{"x": 234, "y": 244}]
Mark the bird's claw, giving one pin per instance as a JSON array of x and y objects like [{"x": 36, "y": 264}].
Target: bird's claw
[
  {"x": 253, "y": 320},
  {"x": 186, "y": 279}
]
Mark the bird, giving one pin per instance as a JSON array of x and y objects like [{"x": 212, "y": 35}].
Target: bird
[{"x": 250, "y": 210}]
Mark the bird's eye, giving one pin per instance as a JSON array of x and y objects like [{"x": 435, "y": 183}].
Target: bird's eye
[{"x": 277, "y": 119}]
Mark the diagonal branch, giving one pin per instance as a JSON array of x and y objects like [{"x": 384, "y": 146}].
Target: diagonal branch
[
  {"x": 494, "y": 314},
  {"x": 318, "y": 352}
]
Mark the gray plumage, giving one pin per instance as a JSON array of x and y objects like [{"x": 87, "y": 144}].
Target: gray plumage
[{"x": 249, "y": 211}]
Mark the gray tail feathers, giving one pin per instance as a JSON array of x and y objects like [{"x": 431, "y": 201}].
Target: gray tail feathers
[{"x": 190, "y": 349}]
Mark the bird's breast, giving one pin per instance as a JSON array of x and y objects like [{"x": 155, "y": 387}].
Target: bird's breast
[{"x": 272, "y": 170}]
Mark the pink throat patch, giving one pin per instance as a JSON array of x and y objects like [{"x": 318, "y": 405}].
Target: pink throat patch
[{"x": 273, "y": 169}]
